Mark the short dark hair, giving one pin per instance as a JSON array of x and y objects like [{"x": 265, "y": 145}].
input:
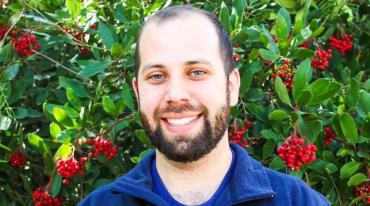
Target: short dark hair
[{"x": 226, "y": 47}]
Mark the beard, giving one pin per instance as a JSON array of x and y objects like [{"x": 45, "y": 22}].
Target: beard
[{"x": 186, "y": 148}]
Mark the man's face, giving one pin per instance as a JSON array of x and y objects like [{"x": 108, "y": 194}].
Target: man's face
[{"x": 182, "y": 90}]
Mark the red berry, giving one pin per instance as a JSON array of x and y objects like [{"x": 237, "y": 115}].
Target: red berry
[
  {"x": 343, "y": 45},
  {"x": 329, "y": 135},
  {"x": 17, "y": 159},
  {"x": 363, "y": 190},
  {"x": 43, "y": 198},
  {"x": 236, "y": 57},
  {"x": 320, "y": 61},
  {"x": 294, "y": 154},
  {"x": 25, "y": 45}
]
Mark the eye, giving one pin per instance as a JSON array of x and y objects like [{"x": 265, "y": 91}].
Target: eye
[
  {"x": 155, "y": 78},
  {"x": 197, "y": 73}
]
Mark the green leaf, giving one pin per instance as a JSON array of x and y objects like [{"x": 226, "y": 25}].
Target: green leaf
[
  {"x": 12, "y": 71},
  {"x": 54, "y": 129},
  {"x": 304, "y": 98},
  {"x": 19, "y": 89},
  {"x": 300, "y": 18},
  {"x": 302, "y": 53},
  {"x": 56, "y": 185},
  {"x": 276, "y": 164},
  {"x": 309, "y": 129},
  {"x": 349, "y": 128},
  {"x": 278, "y": 115},
  {"x": 5, "y": 122},
  {"x": 21, "y": 113},
  {"x": 283, "y": 24},
  {"x": 62, "y": 117},
  {"x": 95, "y": 68},
  {"x": 66, "y": 136},
  {"x": 5, "y": 147},
  {"x": 364, "y": 106},
  {"x": 268, "y": 134},
  {"x": 289, "y": 4},
  {"x": 239, "y": 6},
  {"x": 357, "y": 179},
  {"x": 348, "y": 169},
  {"x": 282, "y": 91},
  {"x": 128, "y": 96},
  {"x": 76, "y": 86},
  {"x": 268, "y": 148},
  {"x": 130, "y": 37},
  {"x": 141, "y": 135},
  {"x": 366, "y": 127},
  {"x": 323, "y": 89},
  {"x": 73, "y": 99},
  {"x": 301, "y": 78},
  {"x": 106, "y": 34},
  {"x": 64, "y": 151},
  {"x": 224, "y": 16},
  {"x": 248, "y": 72},
  {"x": 74, "y": 8},
  {"x": 268, "y": 55},
  {"x": 240, "y": 37},
  {"x": 116, "y": 50},
  {"x": 108, "y": 106},
  {"x": 353, "y": 94},
  {"x": 38, "y": 143}
]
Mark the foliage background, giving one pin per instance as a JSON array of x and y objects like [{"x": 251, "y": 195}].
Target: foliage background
[{"x": 77, "y": 85}]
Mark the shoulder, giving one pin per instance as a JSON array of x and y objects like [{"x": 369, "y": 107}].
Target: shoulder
[
  {"x": 290, "y": 188},
  {"x": 100, "y": 194}
]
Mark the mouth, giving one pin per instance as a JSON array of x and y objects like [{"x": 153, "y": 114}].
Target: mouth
[{"x": 180, "y": 124}]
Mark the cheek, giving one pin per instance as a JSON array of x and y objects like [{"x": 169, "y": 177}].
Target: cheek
[{"x": 150, "y": 98}]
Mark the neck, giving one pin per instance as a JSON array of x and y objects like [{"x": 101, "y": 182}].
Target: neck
[{"x": 204, "y": 175}]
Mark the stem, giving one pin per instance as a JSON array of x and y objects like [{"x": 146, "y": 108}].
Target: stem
[
  {"x": 48, "y": 186},
  {"x": 61, "y": 65},
  {"x": 336, "y": 191}
]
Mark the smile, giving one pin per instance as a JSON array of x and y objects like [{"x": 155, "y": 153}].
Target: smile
[{"x": 180, "y": 124}]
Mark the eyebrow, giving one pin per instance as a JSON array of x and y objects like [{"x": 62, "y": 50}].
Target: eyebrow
[{"x": 187, "y": 63}]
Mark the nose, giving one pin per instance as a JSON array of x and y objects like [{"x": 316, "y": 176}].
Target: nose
[{"x": 177, "y": 92}]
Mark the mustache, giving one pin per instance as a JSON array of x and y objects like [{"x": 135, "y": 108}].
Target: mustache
[{"x": 179, "y": 109}]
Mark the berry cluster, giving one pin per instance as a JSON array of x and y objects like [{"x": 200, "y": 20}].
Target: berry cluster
[
  {"x": 329, "y": 135},
  {"x": 25, "y": 45},
  {"x": 80, "y": 37},
  {"x": 4, "y": 29},
  {"x": 236, "y": 135},
  {"x": 363, "y": 190},
  {"x": 17, "y": 159},
  {"x": 320, "y": 61},
  {"x": 236, "y": 57},
  {"x": 343, "y": 45},
  {"x": 43, "y": 198},
  {"x": 102, "y": 145},
  {"x": 70, "y": 167},
  {"x": 285, "y": 73},
  {"x": 294, "y": 154}
]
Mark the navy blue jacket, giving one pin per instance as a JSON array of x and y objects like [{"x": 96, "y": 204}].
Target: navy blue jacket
[{"x": 251, "y": 184}]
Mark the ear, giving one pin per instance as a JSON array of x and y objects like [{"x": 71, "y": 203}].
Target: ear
[
  {"x": 135, "y": 87},
  {"x": 234, "y": 84}
]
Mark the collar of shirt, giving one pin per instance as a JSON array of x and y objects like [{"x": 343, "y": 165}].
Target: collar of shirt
[{"x": 249, "y": 181}]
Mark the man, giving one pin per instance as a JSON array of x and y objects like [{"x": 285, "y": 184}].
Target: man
[{"x": 185, "y": 84}]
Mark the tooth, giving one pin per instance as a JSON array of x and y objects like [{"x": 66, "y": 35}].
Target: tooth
[{"x": 179, "y": 122}]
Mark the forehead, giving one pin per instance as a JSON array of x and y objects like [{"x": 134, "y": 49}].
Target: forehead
[{"x": 183, "y": 38}]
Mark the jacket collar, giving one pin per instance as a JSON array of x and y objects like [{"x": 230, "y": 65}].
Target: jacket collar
[{"x": 248, "y": 182}]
